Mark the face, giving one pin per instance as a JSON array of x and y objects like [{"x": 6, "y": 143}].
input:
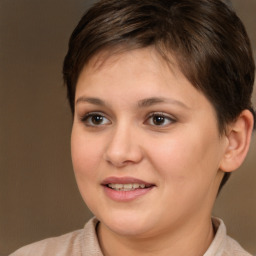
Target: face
[{"x": 145, "y": 145}]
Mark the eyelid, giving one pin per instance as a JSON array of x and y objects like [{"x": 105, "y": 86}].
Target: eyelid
[
  {"x": 164, "y": 115},
  {"x": 84, "y": 118}
]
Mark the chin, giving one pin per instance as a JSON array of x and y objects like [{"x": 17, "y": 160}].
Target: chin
[{"x": 128, "y": 224}]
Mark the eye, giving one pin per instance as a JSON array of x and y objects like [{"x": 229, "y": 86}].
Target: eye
[
  {"x": 95, "y": 119},
  {"x": 159, "y": 119}
]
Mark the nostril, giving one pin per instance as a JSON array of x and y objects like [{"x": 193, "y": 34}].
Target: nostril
[{"x": 122, "y": 148}]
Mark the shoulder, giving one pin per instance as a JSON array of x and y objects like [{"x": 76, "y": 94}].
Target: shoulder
[
  {"x": 234, "y": 248},
  {"x": 223, "y": 245},
  {"x": 73, "y": 243},
  {"x": 67, "y": 244}
]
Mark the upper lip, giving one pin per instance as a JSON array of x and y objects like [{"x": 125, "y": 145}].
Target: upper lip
[{"x": 124, "y": 180}]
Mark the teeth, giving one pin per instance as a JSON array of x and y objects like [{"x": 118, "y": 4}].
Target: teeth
[
  {"x": 126, "y": 187},
  {"x": 136, "y": 186}
]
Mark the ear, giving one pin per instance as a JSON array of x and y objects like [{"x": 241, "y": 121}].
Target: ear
[{"x": 238, "y": 136}]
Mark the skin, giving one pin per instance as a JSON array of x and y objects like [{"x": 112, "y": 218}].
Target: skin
[{"x": 182, "y": 155}]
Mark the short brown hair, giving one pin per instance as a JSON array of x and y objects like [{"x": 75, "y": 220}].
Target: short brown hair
[{"x": 206, "y": 37}]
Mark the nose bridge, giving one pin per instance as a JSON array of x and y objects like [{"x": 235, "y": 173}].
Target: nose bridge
[{"x": 123, "y": 145}]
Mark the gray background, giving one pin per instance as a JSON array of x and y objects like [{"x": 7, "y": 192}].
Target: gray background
[{"x": 38, "y": 194}]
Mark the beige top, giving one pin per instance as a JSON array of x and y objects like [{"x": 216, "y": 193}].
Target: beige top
[{"x": 84, "y": 242}]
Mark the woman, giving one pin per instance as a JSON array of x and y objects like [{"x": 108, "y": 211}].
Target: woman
[{"x": 160, "y": 93}]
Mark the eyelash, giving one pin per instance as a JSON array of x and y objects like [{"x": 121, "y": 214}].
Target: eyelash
[
  {"x": 162, "y": 115},
  {"x": 87, "y": 119}
]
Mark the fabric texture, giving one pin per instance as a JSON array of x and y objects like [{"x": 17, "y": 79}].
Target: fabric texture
[{"x": 84, "y": 242}]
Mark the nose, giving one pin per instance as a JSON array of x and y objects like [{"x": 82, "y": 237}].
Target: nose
[{"x": 123, "y": 147}]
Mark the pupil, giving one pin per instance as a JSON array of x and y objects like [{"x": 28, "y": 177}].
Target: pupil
[
  {"x": 158, "y": 120},
  {"x": 97, "y": 119}
]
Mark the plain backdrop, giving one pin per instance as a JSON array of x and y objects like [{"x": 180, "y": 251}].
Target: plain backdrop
[{"x": 38, "y": 193}]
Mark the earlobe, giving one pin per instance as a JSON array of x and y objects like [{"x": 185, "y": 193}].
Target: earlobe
[{"x": 239, "y": 137}]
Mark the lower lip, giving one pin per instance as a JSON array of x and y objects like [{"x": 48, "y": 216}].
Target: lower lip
[{"x": 124, "y": 196}]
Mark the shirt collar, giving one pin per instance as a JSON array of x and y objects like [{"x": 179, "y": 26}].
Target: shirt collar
[{"x": 218, "y": 244}]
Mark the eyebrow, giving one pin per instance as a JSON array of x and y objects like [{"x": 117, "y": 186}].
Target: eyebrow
[
  {"x": 141, "y": 103},
  {"x": 94, "y": 101},
  {"x": 156, "y": 100}
]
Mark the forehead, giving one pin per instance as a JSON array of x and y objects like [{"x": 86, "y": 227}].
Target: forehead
[
  {"x": 107, "y": 58},
  {"x": 147, "y": 60},
  {"x": 134, "y": 76}
]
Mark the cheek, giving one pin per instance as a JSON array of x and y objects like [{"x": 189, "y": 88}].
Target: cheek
[
  {"x": 188, "y": 168},
  {"x": 85, "y": 156},
  {"x": 187, "y": 159},
  {"x": 85, "y": 159}
]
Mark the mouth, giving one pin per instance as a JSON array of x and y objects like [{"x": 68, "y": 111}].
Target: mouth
[{"x": 128, "y": 187}]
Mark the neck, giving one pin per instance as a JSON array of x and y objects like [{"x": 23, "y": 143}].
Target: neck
[{"x": 192, "y": 239}]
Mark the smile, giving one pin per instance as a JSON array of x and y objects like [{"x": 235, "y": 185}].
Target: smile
[
  {"x": 127, "y": 187},
  {"x": 124, "y": 189}
]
